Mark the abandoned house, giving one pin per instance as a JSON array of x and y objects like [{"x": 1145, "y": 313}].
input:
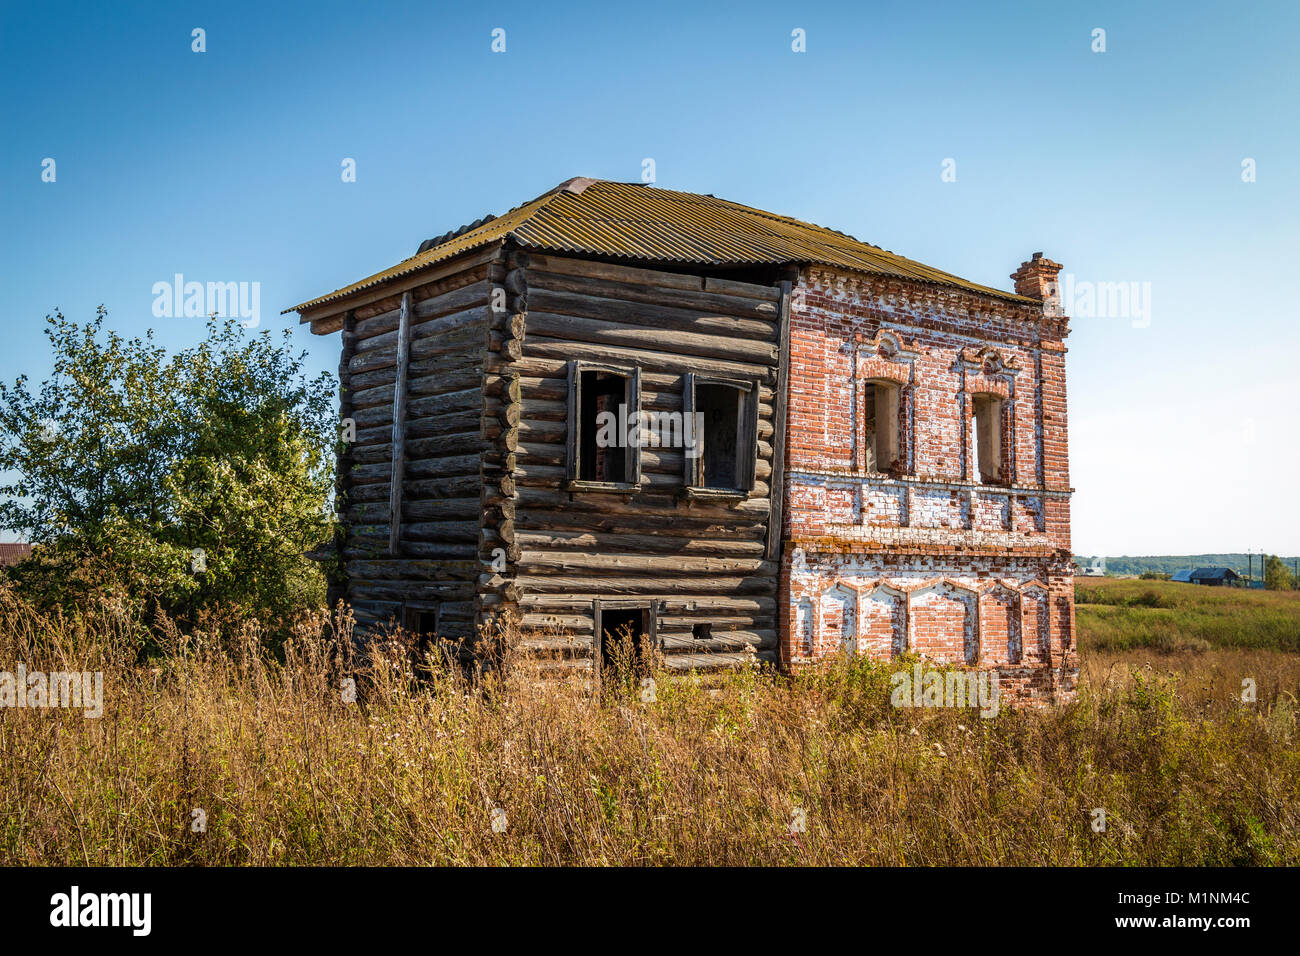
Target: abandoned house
[{"x": 747, "y": 437}]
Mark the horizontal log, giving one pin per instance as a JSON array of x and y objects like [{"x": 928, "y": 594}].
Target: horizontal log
[
  {"x": 645, "y": 316},
  {"x": 668, "y": 526},
  {"x": 648, "y": 586},
  {"x": 464, "y": 420},
  {"x": 605, "y": 563},
  {"x": 408, "y": 568},
  {"x": 555, "y": 348},
  {"x": 434, "y": 279},
  {"x": 708, "y": 662},
  {"x": 472, "y": 312},
  {"x": 566, "y": 265},
  {"x": 719, "y": 641},
  {"x": 709, "y": 309},
  {"x": 633, "y": 543},
  {"x": 451, "y": 486},
  {"x": 408, "y": 591},
  {"x": 373, "y": 548},
  {"x": 701, "y": 604},
  {"x": 648, "y": 338},
  {"x": 645, "y": 504}
]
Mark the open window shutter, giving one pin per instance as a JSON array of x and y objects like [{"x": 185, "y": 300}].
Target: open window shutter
[
  {"x": 634, "y": 414},
  {"x": 692, "y": 442},
  {"x": 574, "y": 442},
  {"x": 747, "y": 447}
]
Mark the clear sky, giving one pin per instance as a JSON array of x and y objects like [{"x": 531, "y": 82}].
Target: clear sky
[{"x": 1125, "y": 165}]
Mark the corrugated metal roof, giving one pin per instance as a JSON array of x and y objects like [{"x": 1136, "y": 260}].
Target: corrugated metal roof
[{"x": 636, "y": 222}]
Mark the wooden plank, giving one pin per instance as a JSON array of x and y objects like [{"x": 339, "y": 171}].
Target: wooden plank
[{"x": 399, "y": 426}]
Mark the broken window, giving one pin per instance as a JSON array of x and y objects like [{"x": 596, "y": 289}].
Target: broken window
[
  {"x": 702, "y": 631},
  {"x": 721, "y": 433},
  {"x": 420, "y": 619},
  {"x": 880, "y": 430},
  {"x": 604, "y": 448},
  {"x": 988, "y": 438}
]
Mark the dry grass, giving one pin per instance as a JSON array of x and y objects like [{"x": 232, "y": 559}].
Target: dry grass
[{"x": 287, "y": 772}]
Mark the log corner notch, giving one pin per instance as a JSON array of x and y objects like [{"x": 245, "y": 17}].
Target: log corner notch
[
  {"x": 781, "y": 400},
  {"x": 497, "y": 595}
]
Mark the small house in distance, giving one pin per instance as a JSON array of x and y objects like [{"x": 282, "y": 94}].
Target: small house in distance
[
  {"x": 1213, "y": 577},
  {"x": 836, "y": 448},
  {"x": 12, "y": 552}
]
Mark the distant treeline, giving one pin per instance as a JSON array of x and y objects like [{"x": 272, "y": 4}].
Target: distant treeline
[{"x": 1169, "y": 563}]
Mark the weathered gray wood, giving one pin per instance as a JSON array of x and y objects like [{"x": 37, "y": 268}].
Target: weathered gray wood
[
  {"x": 651, "y": 308},
  {"x": 644, "y": 337},
  {"x": 648, "y": 586},
  {"x": 399, "y": 427},
  {"x": 550, "y": 347},
  {"x": 549, "y": 538},
  {"x": 567, "y": 265},
  {"x": 706, "y": 304},
  {"x": 564, "y": 562}
]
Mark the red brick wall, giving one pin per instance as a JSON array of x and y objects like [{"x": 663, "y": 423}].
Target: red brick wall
[{"x": 938, "y": 563}]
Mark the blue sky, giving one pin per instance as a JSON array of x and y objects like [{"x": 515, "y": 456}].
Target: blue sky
[{"x": 1126, "y": 166}]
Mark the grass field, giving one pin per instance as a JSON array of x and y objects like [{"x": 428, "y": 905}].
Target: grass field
[
  {"x": 756, "y": 769},
  {"x": 1170, "y": 616}
]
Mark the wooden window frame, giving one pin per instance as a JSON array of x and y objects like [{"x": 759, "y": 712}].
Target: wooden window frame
[
  {"x": 746, "y": 438},
  {"x": 573, "y": 446}
]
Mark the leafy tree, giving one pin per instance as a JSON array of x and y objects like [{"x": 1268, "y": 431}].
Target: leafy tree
[
  {"x": 1277, "y": 576},
  {"x": 194, "y": 480}
]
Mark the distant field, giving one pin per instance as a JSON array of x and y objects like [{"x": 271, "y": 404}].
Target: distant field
[{"x": 1169, "y": 616}]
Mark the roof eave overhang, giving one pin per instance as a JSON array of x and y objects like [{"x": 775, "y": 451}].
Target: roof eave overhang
[{"x": 325, "y": 314}]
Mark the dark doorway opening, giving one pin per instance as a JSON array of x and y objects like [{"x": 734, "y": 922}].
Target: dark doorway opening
[
  {"x": 622, "y": 635},
  {"x": 421, "y": 622}
]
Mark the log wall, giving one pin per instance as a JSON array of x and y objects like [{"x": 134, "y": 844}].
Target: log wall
[
  {"x": 428, "y": 391},
  {"x": 704, "y": 560}
]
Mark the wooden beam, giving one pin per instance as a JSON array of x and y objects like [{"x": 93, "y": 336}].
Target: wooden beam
[
  {"x": 399, "y": 426},
  {"x": 780, "y": 402}
]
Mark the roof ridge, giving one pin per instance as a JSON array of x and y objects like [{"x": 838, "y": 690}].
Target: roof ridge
[{"x": 760, "y": 213}]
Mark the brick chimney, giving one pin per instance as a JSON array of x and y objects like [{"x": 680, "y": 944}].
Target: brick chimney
[{"x": 1037, "y": 280}]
